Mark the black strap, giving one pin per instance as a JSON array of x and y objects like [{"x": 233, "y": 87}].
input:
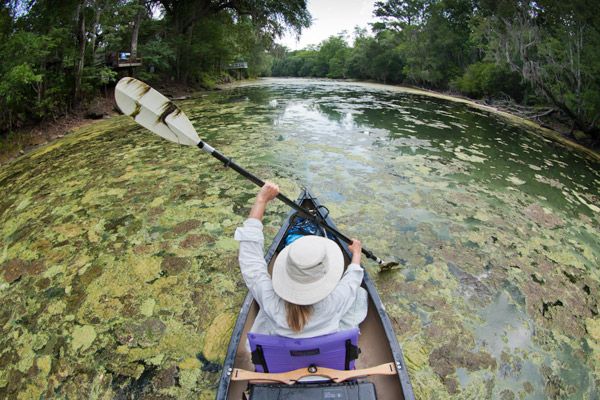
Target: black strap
[
  {"x": 305, "y": 353},
  {"x": 352, "y": 353},
  {"x": 258, "y": 358}
]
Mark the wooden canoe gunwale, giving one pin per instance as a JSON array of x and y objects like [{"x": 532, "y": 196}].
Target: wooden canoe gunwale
[{"x": 228, "y": 365}]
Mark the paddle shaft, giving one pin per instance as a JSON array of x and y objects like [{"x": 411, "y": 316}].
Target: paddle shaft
[{"x": 228, "y": 162}]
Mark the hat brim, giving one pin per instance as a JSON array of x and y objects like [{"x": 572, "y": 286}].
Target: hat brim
[{"x": 308, "y": 293}]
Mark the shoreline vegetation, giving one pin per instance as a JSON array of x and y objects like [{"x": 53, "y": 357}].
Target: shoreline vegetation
[
  {"x": 29, "y": 138},
  {"x": 43, "y": 133}
]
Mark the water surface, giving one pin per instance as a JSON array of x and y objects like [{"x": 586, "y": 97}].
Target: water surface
[{"x": 118, "y": 272}]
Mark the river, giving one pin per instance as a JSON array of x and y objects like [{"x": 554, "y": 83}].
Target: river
[{"x": 118, "y": 271}]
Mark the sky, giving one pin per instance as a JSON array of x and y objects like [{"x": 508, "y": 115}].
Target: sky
[{"x": 330, "y": 17}]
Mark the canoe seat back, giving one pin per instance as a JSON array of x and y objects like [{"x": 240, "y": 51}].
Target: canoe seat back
[{"x": 337, "y": 350}]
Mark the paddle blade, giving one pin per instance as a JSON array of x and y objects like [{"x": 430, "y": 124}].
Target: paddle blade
[{"x": 154, "y": 112}]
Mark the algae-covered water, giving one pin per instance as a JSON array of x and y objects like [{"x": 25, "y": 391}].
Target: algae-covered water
[{"x": 118, "y": 271}]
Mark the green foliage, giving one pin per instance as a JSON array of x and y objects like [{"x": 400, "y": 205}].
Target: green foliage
[
  {"x": 400, "y": 14},
  {"x": 553, "y": 46},
  {"x": 370, "y": 58},
  {"x": 106, "y": 75},
  {"x": 437, "y": 50},
  {"x": 332, "y": 57},
  {"x": 486, "y": 79},
  {"x": 158, "y": 56},
  {"x": 299, "y": 63},
  {"x": 422, "y": 42},
  {"x": 18, "y": 88},
  {"x": 207, "y": 80},
  {"x": 24, "y": 47},
  {"x": 17, "y": 84},
  {"x": 377, "y": 58},
  {"x": 208, "y": 35}
]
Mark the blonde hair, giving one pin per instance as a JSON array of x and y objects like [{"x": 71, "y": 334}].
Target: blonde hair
[{"x": 297, "y": 315}]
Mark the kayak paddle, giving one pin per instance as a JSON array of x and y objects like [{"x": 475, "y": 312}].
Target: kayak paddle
[{"x": 158, "y": 114}]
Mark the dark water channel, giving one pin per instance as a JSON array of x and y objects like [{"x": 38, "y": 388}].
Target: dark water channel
[{"x": 118, "y": 271}]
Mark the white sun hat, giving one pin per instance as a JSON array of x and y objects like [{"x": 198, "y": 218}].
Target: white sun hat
[{"x": 306, "y": 271}]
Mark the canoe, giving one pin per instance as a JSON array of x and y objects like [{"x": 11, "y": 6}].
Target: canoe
[{"x": 377, "y": 340}]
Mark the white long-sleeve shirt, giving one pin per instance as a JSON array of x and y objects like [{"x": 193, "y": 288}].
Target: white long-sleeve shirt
[{"x": 343, "y": 308}]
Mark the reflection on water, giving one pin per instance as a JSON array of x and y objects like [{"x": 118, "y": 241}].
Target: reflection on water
[{"x": 118, "y": 270}]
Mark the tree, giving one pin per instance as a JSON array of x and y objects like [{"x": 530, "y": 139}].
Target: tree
[
  {"x": 270, "y": 17},
  {"x": 435, "y": 45},
  {"x": 81, "y": 42},
  {"x": 140, "y": 13},
  {"x": 398, "y": 14},
  {"x": 387, "y": 63},
  {"x": 15, "y": 87},
  {"x": 553, "y": 46},
  {"x": 331, "y": 59}
]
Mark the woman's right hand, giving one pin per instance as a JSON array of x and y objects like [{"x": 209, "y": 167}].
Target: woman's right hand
[{"x": 356, "y": 249}]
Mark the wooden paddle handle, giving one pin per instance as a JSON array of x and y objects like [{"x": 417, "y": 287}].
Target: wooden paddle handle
[{"x": 291, "y": 377}]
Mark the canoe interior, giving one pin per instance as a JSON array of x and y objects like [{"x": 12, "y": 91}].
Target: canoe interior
[{"x": 373, "y": 342}]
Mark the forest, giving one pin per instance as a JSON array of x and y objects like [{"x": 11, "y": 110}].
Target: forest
[{"x": 540, "y": 55}]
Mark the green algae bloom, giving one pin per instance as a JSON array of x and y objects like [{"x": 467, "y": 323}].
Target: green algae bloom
[{"x": 119, "y": 275}]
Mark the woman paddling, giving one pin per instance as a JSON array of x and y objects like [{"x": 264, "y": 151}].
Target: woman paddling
[{"x": 309, "y": 294}]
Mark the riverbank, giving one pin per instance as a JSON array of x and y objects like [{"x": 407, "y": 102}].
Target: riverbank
[{"x": 25, "y": 140}]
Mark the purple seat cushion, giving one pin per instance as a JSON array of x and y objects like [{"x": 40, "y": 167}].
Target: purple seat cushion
[{"x": 282, "y": 354}]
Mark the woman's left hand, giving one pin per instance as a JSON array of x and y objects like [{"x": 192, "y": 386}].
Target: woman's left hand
[{"x": 268, "y": 192}]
